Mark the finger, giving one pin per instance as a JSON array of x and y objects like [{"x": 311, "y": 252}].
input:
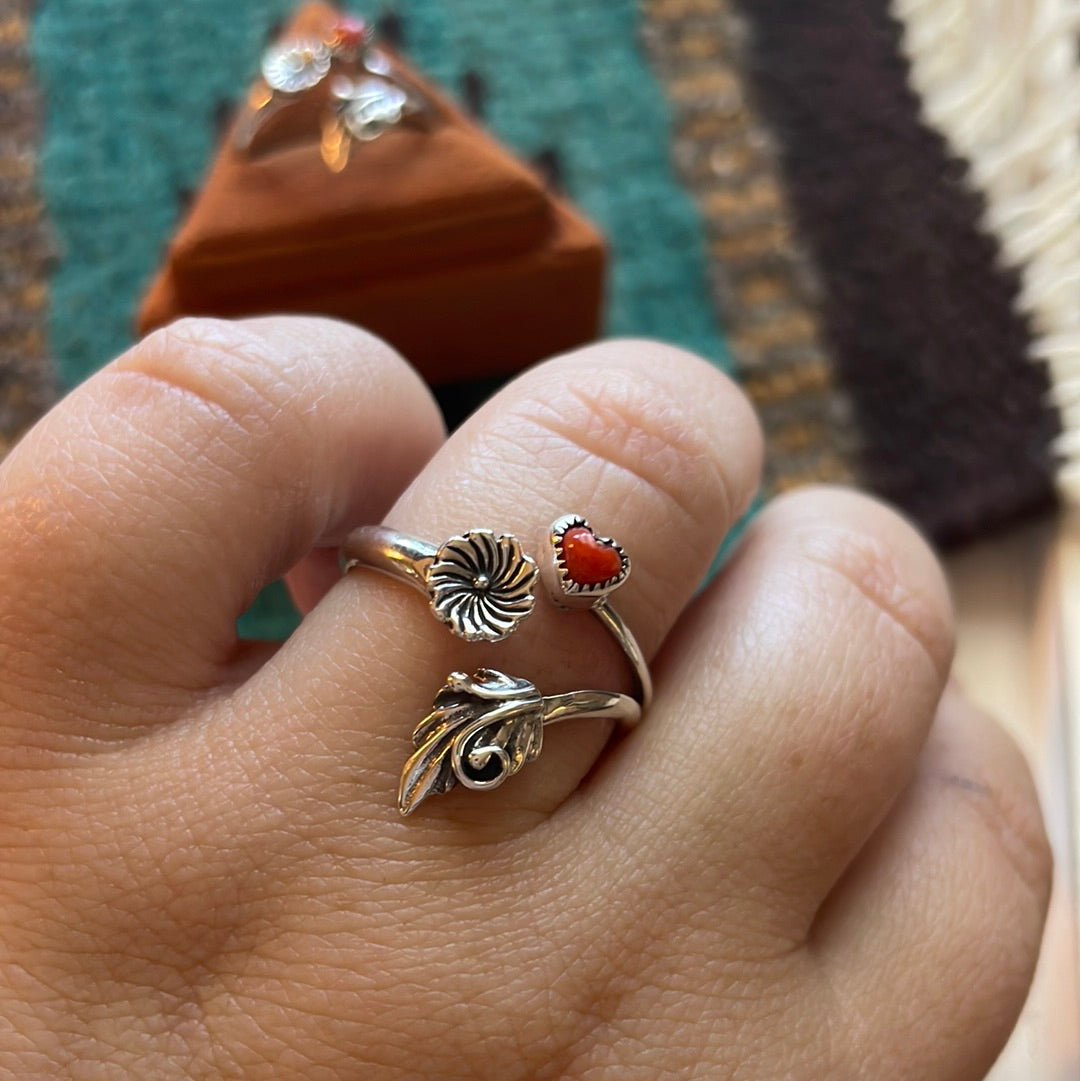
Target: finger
[
  {"x": 145, "y": 512},
  {"x": 654, "y": 446},
  {"x": 945, "y": 908},
  {"x": 794, "y": 699},
  {"x": 313, "y": 577}
]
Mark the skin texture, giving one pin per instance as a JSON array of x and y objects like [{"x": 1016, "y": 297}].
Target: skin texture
[{"x": 813, "y": 860}]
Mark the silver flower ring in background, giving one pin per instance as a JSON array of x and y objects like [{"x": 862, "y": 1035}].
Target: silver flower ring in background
[
  {"x": 367, "y": 96},
  {"x": 483, "y": 728}
]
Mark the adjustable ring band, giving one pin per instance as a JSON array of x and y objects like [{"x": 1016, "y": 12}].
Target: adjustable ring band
[
  {"x": 482, "y": 729},
  {"x": 480, "y": 584}
]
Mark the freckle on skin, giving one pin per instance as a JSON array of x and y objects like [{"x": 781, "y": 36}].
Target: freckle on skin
[{"x": 796, "y": 759}]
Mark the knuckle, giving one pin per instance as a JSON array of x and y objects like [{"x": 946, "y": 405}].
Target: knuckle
[
  {"x": 652, "y": 414},
  {"x": 224, "y": 364},
  {"x": 884, "y": 562},
  {"x": 254, "y": 369},
  {"x": 997, "y": 938},
  {"x": 1003, "y": 797}
]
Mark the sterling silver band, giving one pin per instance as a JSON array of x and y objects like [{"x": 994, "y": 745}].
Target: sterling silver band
[
  {"x": 380, "y": 548},
  {"x": 609, "y": 705},
  {"x": 449, "y": 577},
  {"x": 629, "y": 645}
]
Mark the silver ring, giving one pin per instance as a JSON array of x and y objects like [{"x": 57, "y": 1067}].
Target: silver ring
[
  {"x": 367, "y": 96},
  {"x": 484, "y": 728},
  {"x": 481, "y": 584}
]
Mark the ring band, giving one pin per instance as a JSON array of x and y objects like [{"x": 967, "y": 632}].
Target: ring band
[
  {"x": 480, "y": 584},
  {"x": 583, "y": 569}
]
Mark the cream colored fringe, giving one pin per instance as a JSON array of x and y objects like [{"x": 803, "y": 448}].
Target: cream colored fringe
[{"x": 1001, "y": 80}]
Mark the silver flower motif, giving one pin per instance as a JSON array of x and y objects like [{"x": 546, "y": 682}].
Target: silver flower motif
[
  {"x": 370, "y": 107},
  {"x": 296, "y": 65},
  {"x": 481, "y": 585},
  {"x": 481, "y": 730}
]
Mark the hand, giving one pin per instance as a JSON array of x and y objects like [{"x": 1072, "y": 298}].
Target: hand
[{"x": 804, "y": 864}]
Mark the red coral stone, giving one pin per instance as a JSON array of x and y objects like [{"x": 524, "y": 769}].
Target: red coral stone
[
  {"x": 349, "y": 34},
  {"x": 589, "y": 560}
]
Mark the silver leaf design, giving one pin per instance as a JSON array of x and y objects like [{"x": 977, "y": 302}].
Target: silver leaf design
[{"x": 481, "y": 730}]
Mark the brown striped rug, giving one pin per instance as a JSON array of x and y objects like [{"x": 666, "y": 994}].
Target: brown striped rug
[
  {"x": 889, "y": 196},
  {"x": 26, "y": 376}
]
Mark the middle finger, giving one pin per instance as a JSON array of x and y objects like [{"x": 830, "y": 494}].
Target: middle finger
[
  {"x": 653, "y": 446},
  {"x": 792, "y": 703}
]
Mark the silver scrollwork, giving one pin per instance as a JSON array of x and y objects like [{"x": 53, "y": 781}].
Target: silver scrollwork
[{"x": 481, "y": 730}]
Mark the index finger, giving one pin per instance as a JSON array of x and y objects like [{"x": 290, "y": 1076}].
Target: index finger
[{"x": 145, "y": 512}]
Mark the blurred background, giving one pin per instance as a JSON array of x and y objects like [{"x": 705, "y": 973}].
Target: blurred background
[{"x": 868, "y": 211}]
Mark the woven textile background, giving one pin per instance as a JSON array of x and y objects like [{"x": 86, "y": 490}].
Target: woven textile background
[
  {"x": 26, "y": 374},
  {"x": 891, "y": 249},
  {"x": 136, "y": 91}
]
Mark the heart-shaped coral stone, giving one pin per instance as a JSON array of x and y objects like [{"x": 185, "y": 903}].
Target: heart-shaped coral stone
[{"x": 589, "y": 560}]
